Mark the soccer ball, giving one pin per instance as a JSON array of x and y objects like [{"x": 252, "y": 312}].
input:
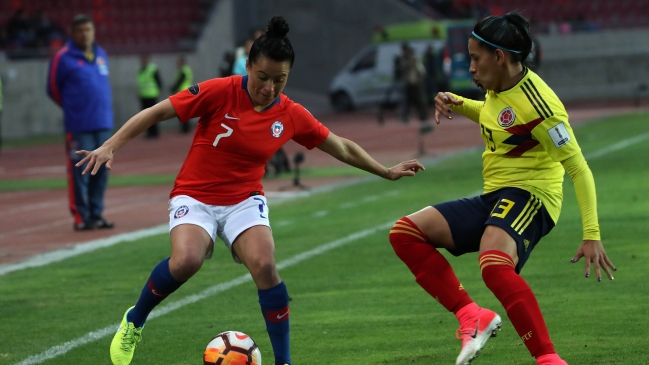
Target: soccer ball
[{"x": 232, "y": 348}]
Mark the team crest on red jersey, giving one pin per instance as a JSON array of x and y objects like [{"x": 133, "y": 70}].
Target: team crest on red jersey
[
  {"x": 277, "y": 129},
  {"x": 506, "y": 117}
]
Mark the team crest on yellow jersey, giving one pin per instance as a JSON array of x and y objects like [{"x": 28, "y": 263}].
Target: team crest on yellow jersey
[{"x": 506, "y": 117}]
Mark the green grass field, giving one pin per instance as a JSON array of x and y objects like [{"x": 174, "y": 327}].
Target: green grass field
[{"x": 358, "y": 303}]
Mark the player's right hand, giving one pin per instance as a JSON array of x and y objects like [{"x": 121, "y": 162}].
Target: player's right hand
[
  {"x": 405, "y": 168},
  {"x": 95, "y": 159},
  {"x": 594, "y": 254},
  {"x": 442, "y": 101}
]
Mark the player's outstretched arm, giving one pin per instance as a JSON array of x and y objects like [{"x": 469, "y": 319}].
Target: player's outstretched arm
[
  {"x": 352, "y": 154},
  {"x": 591, "y": 248},
  {"x": 137, "y": 124},
  {"x": 447, "y": 103}
]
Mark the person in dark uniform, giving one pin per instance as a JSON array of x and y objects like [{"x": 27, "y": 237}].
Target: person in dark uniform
[
  {"x": 184, "y": 79},
  {"x": 149, "y": 86}
]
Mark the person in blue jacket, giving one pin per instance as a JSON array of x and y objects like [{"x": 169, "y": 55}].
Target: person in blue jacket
[{"x": 78, "y": 82}]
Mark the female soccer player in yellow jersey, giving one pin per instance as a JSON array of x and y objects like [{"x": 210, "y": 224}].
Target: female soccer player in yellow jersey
[{"x": 529, "y": 145}]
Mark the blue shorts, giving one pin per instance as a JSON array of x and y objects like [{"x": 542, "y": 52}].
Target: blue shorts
[{"x": 517, "y": 211}]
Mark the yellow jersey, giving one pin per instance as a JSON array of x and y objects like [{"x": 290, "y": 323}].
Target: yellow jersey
[{"x": 527, "y": 135}]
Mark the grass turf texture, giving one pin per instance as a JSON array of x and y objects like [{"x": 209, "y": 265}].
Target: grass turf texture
[{"x": 358, "y": 304}]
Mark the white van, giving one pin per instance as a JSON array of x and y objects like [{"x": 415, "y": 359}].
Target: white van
[
  {"x": 369, "y": 75},
  {"x": 368, "y": 79}
]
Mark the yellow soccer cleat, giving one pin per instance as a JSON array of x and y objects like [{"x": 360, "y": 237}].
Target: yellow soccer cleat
[{"x": 123, "y": 345}]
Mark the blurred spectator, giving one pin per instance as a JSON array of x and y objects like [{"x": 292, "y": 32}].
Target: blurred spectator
[
  {"x": 395, "y": 86},
  {"x": 46, "y": 31},
  {"x": 3, "y": 38},
  {"x": 184, "y": 79},
  {"x": 20, "y": 33},
  {"x": 78, "y": 82},
  {"x": 225, "y": 68},
  {"x": 581, "y": 24},
  {"x": 149, "y": 86},
  {"x": 239, "y": 67},
  {"x": 37, "y": 32},
  {"x": 0, "y": 113},
  {"x": 565, "y": 27},
  {"x": 432, "y": 73},
  {"x": 241, "y": 53},
  {"x": 536, "y": 56},
  {"x": 413, "y": 75}
]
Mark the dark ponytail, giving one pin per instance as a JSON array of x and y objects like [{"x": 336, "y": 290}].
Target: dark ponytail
[
  {"x": 509, "y": 32},
  {"x": 273, "y": 44}
]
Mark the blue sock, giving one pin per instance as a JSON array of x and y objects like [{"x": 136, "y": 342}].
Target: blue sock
[
  {"x": 160, "y": 284},
  {"x": 274, "y": 307}
]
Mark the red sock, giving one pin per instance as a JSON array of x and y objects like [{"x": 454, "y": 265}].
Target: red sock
[
  {"x": 518, "y": 299},
  {"x": 432, "y": 271}
]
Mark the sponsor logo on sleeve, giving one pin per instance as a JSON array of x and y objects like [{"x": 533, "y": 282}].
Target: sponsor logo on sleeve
[
  {"x": 559, "y": 134},
  {"x": 194, "y": 89}
]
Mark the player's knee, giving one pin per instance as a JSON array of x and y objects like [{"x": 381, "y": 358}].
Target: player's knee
[
  {"x": 183, "y": 266},
  {"x": 496, "y": 267},
  {"x": 396, "y": 240},
  {"x": 263, "y": 268},
  {"x": 404, "y": 237}
]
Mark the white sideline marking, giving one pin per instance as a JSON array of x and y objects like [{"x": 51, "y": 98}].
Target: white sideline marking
[
  {"x": 81, "y": 248},
  {"x": 275, "y": 198},
  {"x": 618, "y": 146},
  {"x": 45, "y": 259},
  {"x": 213, "y": 290},
  {"x": 54, "y": 256}
]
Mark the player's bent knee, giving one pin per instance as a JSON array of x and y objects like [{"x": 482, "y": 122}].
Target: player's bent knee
[
  {"x": 262, "y": 268},
  {"x": 185, "y": 265},
  {"x": 406, "y": 239}
]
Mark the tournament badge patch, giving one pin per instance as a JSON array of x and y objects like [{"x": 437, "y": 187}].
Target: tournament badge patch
[
  {"x": 506, "y": 117},
  {"x": 559, "y": 134},
  {"x": 181, "y": 211},
  {"x": 277, "y": 129}
]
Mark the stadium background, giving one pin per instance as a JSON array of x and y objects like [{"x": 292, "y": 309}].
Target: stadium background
[
  {"x": 603, "y": 65},
  {"x": 598, "y": 69}
]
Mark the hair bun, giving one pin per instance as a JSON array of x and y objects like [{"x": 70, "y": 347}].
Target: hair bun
[{"x": 277, "y": 27}]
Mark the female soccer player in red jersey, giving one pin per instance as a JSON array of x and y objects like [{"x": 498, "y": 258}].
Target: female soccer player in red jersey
[
  {"x": 529, "y": 147},
  {"x": 218, "y": 192}
]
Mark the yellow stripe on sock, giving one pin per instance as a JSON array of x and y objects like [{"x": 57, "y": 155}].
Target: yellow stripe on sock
[
  {"x": 407, "y": 232},
  {"x": 409, "y": 228},
  {"x": 496, "y": 262},
  {"x": 482, "y": 267},
  {"x": 496, "y": 258}
]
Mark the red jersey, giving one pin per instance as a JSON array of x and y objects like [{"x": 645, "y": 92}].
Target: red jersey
[{"x": 233, "y": 142}]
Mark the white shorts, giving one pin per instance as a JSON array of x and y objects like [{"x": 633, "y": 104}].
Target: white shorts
[{"x": 226, "y": 221}]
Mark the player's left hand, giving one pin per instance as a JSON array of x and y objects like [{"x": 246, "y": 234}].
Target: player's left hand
[
  {"x": 594, "y": 254},
  {"x": 405, "y": 168}
]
